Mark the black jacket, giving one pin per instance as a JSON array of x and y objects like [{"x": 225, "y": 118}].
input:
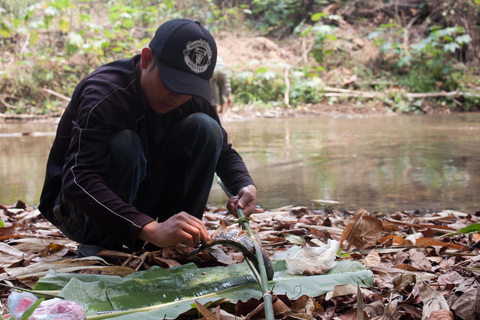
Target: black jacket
[{"x": 106, "y": 101}]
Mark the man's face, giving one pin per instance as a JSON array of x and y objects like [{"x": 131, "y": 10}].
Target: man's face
[{"x": 158, "y": 98}]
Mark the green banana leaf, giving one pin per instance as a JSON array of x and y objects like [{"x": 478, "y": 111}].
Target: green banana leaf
[{"x": 159, "y": 293}]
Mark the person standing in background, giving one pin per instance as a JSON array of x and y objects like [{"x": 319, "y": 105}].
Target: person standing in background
[{"x": 220, "y": 87}]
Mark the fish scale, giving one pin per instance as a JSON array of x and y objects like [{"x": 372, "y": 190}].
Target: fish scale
[{"x": 239, "y": 240}]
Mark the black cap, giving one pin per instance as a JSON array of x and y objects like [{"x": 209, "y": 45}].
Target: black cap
[{"x": 186, "y": 54}]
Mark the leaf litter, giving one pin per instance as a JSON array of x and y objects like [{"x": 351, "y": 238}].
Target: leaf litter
[{"x": 425, "y": 264}]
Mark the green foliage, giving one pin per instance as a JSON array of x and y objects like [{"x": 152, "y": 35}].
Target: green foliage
[
  {"x": 265, "y": 86},
  {"x": 475, "y": 227},
  {"x": 306, "y": 87},
  {"x": 55, "y": 43},
  {"x": 282, "y": 16},
  {"x": 261, "y": 85},
  {"x": 425, "y": 65},
  {"x": 61, "y": 43},
  {"x": 322, "y": 33},
  {"x": 396, "y": 103}
]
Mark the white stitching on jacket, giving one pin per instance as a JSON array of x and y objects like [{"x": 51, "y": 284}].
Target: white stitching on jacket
[{"x": 76, "y": 158}]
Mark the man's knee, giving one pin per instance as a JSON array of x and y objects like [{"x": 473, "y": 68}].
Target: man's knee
[
  {"x": 205, "y": 126},
  {"x": 126, "y": 149}
]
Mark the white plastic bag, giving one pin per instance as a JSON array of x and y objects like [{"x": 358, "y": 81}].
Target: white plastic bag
[
  {"x": 313, "y": 260},
  {"x": 19, "y": 302},
  {"x": 58, "y": 309},
  {"x": 53, "y": 309}
]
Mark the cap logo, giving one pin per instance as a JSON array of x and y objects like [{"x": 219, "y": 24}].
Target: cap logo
[{"x": 198, "y": 55}]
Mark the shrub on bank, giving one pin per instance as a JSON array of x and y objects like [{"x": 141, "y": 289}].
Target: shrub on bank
[{"x": 49, "y": 46}]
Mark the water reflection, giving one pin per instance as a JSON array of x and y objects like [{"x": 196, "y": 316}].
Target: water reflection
[
  {"x": 22, "y": 161},
  {"x": 381, "y": 164}
]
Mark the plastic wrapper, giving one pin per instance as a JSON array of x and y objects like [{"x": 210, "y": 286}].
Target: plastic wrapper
[
  {"x": 19, "y": 302},
  {"x": 313, "y": 260},
  {"x": 53, "y": 309},
  {"x": 58, "y": 309}
]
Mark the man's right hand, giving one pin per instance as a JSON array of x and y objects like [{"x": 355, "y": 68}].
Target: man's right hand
[{"x": 178, "y": 228}]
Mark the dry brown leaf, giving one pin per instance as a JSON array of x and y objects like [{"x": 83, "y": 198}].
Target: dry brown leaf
[
  {"x": 9, "y": 255},
  {"x": 450, "y": 278},
  {"x": 401, "y": 257},
  {"x": 279, "y": 307},
  {"x": 476, "y": 237},
  {"x": 224, "y": 315},
  {"x": 34, "y": 245},
  {"x": 335, "y": 233},
  {"x": 259, "y": 310},
  {"x": 361, "y": 229},
  {"x": 426, "y": 242},
  {"x": 290, "y": 315},
  {"x": 242, "y": 308},
  {"x": 115, "y": 254},
  {"x": 411, "y": 312},
  {"x": 343, "y": 290},
  {"x": 375, "y": 309},
  {"x": 467, "y": 306},
  {"x": 8, "y": 233},
  {"x": 207, "y": 315},
  {"x": 41, "y": 269},
  {"x": 120, "y": 271},
  {"x": 419, "y": 260},
  {"x": 268, "y": 216},
  {"x": 300, "y": 303},
  {"x": 407, "y": 267},
  {"x": 384, "y": 276},
  {"x": 442, "y": 315},
  {"x": 372, "y": 259},
  {"x": 403, "y": 281},
  {"x": 352, "y": 315},
  {"x": 166, "y": 263},
  {"x": 432, "y": 299},
  {"x": 395, "y": 240}
]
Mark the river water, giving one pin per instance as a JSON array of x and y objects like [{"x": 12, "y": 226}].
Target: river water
[{"x": 381, "y": 164}]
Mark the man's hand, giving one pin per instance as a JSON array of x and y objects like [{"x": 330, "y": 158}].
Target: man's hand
[
  {"x": 178, "y": 228},
  {"x": 246, "y": 199}
]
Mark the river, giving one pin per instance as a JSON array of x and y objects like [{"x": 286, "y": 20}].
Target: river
[{"x": 384, "y": 164}]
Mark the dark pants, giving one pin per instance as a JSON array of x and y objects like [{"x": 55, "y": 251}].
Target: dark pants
[{"x": 180, "y": 180}]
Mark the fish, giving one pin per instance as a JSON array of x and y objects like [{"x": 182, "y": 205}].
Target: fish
[{"x": 239, "y": 240}]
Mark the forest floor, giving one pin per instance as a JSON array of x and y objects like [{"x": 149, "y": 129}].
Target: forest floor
[{"x": 424, "y": 265}]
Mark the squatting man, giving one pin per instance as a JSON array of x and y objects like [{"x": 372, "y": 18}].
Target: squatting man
[{"x": 138, "y": 145}]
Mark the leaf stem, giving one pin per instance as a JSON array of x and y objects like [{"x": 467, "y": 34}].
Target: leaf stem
[
  {"x": 267, "y": 298},
  {"x": 31, "y": 291}
]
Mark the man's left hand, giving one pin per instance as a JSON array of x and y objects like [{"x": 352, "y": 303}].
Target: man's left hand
[{"x": 246, "y": 199}]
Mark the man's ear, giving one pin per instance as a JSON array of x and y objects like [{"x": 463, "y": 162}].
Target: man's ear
[{"x": 146, "y": 57}]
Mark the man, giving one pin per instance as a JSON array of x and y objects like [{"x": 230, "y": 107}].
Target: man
[
  {"x": 138, "y": 145},
  {"x": 220, "y": 87}
]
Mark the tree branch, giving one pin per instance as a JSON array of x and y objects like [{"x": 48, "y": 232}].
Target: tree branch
[
  {"x": 61, "y": 96},
  {"x": 337, "y": 92}
]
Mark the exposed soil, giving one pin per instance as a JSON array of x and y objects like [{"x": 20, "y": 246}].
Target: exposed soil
[{"x": 238, "y": 51}]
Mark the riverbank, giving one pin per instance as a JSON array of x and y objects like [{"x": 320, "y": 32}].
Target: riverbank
[{"x": 245, "y": 112}]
